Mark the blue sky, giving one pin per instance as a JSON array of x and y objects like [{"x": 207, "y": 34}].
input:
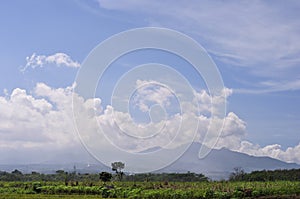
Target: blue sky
[{"x": 255, "y": 45}]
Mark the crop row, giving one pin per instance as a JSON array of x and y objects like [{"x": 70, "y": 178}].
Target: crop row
[{"x": 160, "y": 190}]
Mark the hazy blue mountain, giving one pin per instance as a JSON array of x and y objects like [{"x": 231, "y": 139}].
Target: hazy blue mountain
[{"x": 220, "y": 163}]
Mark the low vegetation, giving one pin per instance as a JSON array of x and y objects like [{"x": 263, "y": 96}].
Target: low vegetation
[
  {"x": 240, "y": 175},
  {"x": 153, "y": 190},
  {"x": 258, "y": 184}
]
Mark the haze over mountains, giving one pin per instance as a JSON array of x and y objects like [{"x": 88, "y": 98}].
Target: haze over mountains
[
  {"x": 220, "y": 163},
  {"x": 217, "y": 165}
]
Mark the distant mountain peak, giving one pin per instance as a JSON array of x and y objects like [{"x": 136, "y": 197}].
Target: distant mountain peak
[{"x": 219, "y": 163}]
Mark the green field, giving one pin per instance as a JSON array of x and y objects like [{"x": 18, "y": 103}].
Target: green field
[
  {"x": 43, "y": 196},
  {"x": 152, "y": 190}
]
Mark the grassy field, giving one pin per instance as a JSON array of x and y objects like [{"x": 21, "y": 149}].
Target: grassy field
[
  {"x": 43, "y": 196},
  {"x": 152, "y": 190}
]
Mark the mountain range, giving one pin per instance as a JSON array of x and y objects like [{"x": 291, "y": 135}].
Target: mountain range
[{"x": 218, "y": 164}]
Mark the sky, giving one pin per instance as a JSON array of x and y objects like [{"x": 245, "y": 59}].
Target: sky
[{"x": 255, "y": 45}]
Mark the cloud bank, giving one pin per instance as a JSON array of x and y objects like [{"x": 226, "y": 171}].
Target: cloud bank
[{"x": 43, "y": 121}]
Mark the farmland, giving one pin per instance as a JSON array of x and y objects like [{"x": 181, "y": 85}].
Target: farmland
[
  {"x": 151, "y": 190},
  {"x": 257, "y": 184}
]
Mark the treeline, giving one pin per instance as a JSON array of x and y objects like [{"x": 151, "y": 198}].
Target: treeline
[
  {"x": 266, "y": 175},
  {"x": 171, "y": 177},
  {"x": 74, "y": 178},
  {"x": 59, "y": 176}
]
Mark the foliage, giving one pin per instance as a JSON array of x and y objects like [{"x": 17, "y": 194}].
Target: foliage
[
  {"x": 105, "y": 176},
  {"x": 118, "y": 167},
  {"x": 153, "y": 190},
  {"x": 291, "y": 175},
  {"x": 73, "y": 178},
  {"x": 168, "y": 177},
  {"x": 151, "y": 186},
  {"x": 237, "y": 174}
]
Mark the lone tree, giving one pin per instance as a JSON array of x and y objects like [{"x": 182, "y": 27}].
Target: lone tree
[
  {"x": 105, "y": 176},
  {"x": 237, "y": 174},
  {"x": 117, "y": 167}
]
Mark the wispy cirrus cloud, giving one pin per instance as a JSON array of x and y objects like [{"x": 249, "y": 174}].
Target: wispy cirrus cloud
[
  {"x": 57, "y": 59},
  {"x": 260, "y": 37},
  {"x": 272, "y": 86},
  {"x": 244, "y": 33}
]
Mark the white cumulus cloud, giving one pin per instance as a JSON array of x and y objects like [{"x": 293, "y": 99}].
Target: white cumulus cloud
[
  {"x": 291, "y": 154},
  {"x": 43, "y": 121},
  {"x": 58, "y": 59}
]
